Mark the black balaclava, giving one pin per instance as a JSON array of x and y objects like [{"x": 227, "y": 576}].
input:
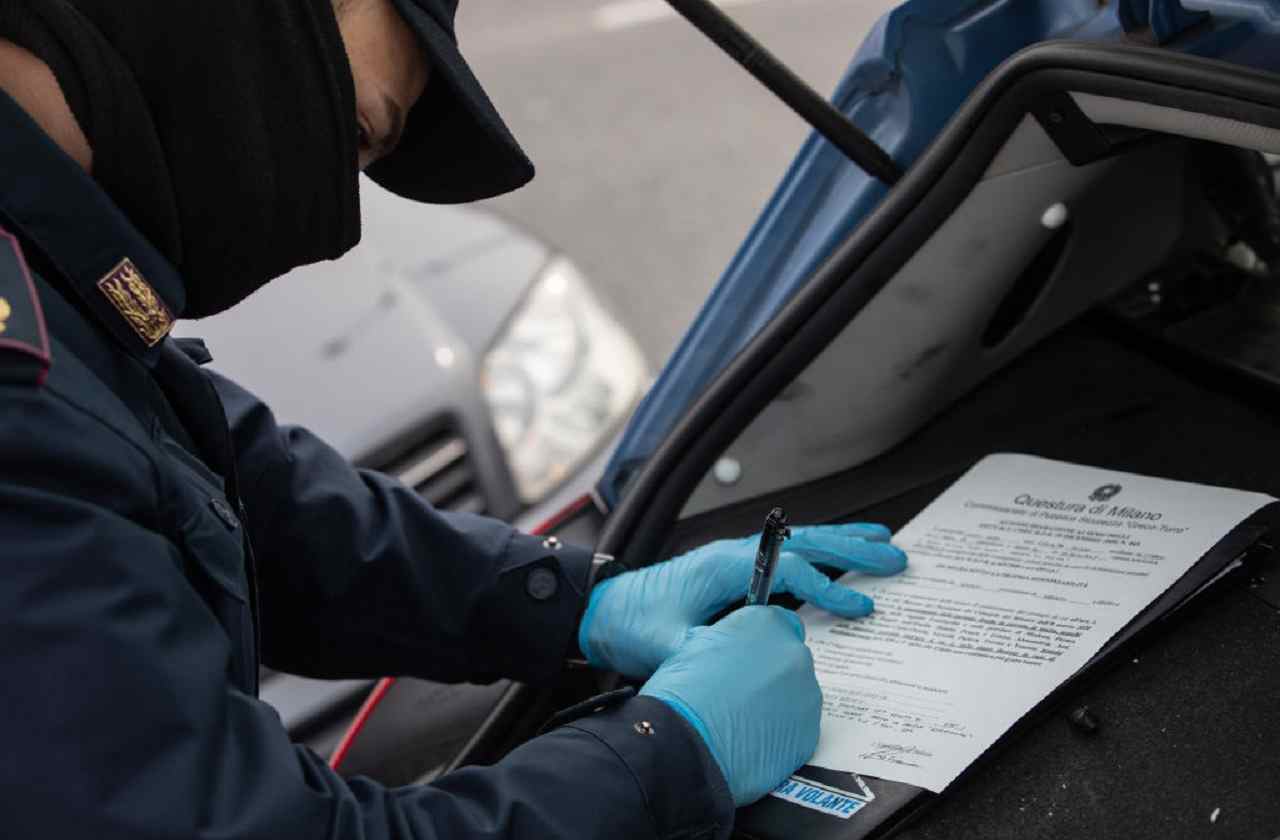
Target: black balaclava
[{"x": 224, "y": 129}]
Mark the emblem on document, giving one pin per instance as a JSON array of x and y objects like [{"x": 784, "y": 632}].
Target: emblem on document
[
  {"x": 134, "y": 298},
  {"x": 1105, "y": 493}
]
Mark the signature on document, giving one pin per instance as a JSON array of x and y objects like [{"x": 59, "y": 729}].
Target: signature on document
[{"x": 895, "y": 753}]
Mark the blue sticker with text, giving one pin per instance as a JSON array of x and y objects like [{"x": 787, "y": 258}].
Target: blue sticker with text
[{"x": 828, "y": 800}]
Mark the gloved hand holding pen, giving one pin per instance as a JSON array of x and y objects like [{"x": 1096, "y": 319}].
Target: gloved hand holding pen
[
  {"x": 637, "y": 620},
  {"x": 746, "y": 685}
]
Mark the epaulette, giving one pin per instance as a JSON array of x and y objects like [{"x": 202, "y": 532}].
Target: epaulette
[{"x": 24, "y": 340}]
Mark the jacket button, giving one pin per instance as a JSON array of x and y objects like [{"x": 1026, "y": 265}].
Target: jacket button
[
  {"x": 541, "y": 584},
  {"x": 552, "y": 543},
  {"x": 643, "y": 727}
]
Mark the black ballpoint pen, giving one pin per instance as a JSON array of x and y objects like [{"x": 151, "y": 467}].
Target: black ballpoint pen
[{"x": 775, "y": 531}]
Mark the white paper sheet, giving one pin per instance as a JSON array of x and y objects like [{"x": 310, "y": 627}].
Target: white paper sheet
[{"x": 1019, "y": 573}]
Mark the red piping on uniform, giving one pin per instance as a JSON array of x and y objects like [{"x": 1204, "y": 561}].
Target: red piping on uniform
[{"x": 42, "y": 352}]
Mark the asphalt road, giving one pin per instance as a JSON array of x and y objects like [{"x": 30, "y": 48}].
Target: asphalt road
[{"x": 655, "y": 152}]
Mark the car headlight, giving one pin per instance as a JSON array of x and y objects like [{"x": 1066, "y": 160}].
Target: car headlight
[{"x": 558, "y": 380}]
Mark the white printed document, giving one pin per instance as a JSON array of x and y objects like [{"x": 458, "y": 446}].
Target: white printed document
[{"x": 1019, "y": 573}]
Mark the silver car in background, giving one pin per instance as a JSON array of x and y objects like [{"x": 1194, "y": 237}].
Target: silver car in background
[{"x": 449, "y": 349}]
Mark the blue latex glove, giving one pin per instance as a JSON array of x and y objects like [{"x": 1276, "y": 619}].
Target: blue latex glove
[
  {"x": 634, "y": 621},
  {"x": 746, "y": 684}
]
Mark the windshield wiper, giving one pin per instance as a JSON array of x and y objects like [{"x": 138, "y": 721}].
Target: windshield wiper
[{"x": 790, "y": 88}]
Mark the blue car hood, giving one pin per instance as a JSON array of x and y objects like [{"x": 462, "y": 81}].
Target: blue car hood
[{"x": 914, "y": 70}]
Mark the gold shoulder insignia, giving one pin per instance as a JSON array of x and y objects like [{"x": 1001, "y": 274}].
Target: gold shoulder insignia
[
  {"x": 133, "y": 298},
  {"x": 24, "y": 341}
]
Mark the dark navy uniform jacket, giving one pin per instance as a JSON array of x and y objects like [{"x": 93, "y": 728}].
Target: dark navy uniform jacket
[{"x": 161, "y": 536}]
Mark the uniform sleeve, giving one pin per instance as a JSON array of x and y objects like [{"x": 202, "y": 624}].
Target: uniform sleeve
[
  {"x": 118, "y": 721},
  {"x": 361, "y": 577}
]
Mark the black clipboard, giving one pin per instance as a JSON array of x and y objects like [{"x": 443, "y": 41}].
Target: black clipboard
[{"x": 890, "y": 804}]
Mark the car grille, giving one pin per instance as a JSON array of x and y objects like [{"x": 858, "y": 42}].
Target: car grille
[{"x": 440, "y": 470}]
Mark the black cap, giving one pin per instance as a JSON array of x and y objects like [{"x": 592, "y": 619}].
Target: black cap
[{"x": 454, "y": 147}]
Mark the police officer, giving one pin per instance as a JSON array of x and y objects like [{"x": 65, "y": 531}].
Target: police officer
[{"x": 161, "y": 535}]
